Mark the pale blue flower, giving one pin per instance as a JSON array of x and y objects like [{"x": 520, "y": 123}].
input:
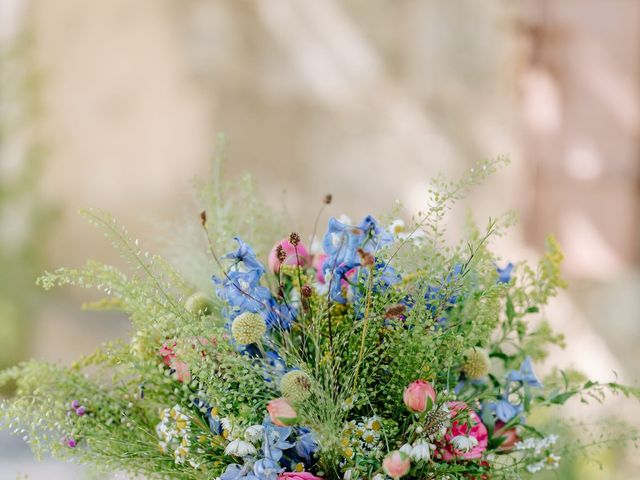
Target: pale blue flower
[
  {"x": 504, "y": 274},
  {"x": 242, "y": 290},
  {"x": 504, "y": 410},
  {"x": 276, "y": 440},
  {"x": 267, "y": 469},
  {"x": 306, "y": 444},
  {"x": 341, "y": 243},
  {"x": 237, "y": 472},
  {"x": 525, "y": 374},
  {"x": 245, "y": 255}
]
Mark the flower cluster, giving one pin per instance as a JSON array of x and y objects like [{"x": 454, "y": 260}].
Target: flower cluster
[{"x": 375, "y": 351}]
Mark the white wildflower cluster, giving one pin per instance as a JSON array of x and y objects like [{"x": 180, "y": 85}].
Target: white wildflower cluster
[
  {"x": 174, "y": 432},
  {"x": 551, "y": 462},
  {"x": 538, "y": 448},
  {"x": 537, "y": 445},
  {"x": 362, "y": 438}
]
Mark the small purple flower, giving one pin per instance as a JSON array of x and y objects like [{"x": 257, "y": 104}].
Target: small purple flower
[
  {"x": 71, "y": 443},
  {"x": 75, "y": 404},
  {"x": 80, "y": 411}
]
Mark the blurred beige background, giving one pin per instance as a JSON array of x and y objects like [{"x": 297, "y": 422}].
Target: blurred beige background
[{"x": 366, "y": 99}]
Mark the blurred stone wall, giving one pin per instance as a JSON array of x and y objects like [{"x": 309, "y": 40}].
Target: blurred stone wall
[{"x": 366, "y": 99}]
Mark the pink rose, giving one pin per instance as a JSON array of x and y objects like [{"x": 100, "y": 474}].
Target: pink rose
[
  {"x": 298, "y": 476},
  {"x": 303, "y": 258},
  {"x": 282, "y": 413},
  {"x": 416, "y": 394},
  {"x": 318, "y": 261},
  {"x": 396, "y": 464},
  {"x": 472, "y": 428}
]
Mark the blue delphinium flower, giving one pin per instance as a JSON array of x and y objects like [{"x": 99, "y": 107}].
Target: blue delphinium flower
[
  {"x": 242, "y": 290},
  {"x": 276, "y": 440},
  {"x": 335, "y": 290},
  {"x": 504, "y": 410},
  {"x": 237, "y": 472},
  {"x": 525, "y": 374},
  {"x": 306, "y": 444},
  {"x": 504, "y": 274},
  {"x": 267, "y": 469},
  {"x": 213, "y": 420},
  {"x": 375, "y": 237},
  {"x": 435, "y": 296},
  {"x": 279, "y": 316},
  {"x": 341, "y": 243},
  {"x": 245, "y": 255},
  {"x": 385, "y": 276}
]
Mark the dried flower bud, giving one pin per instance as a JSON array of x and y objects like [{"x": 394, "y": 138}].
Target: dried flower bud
[
  {"x": 281, "y": 254},
  {"x": 396, "y": 310},
  {"x": 327, "y": 199},
  {"x": 203, "y": 217},
  {"x": 367, "y": 258},
  {"x": 306, "y": 291},
  {"x": 294, "y": 238}
]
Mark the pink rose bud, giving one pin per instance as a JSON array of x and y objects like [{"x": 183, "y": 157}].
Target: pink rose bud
[
  {"x": 282, "y": 413},
  {"x": 417, "y": 395},
  {"x": 302, "y": 258},
  {"x": 396, "y": 464}
]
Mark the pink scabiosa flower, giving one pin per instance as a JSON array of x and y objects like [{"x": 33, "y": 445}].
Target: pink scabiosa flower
[
  {"x": 303, "y": 258},
  {"x": 417, "y": 395},
  {"x": 298, "y": 476},
  {"x": 282, "y": 413},
  {"x": 466, "y": 439},
  {"x": 396, "y": 464}
]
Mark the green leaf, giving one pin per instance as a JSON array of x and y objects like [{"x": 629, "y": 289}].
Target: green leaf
[
  {"x": 561, "y": 398},
  {"x": 511, "y": 311}
]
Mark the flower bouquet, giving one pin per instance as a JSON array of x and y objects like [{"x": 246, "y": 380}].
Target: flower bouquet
[{"x": 375, "y": 350}]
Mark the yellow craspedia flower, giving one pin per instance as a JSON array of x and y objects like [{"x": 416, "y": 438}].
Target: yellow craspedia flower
[
  {"x": 248, "y": 328},
  {"x": 476, "y": 364},
  {"x": 296, "y": 385}
]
